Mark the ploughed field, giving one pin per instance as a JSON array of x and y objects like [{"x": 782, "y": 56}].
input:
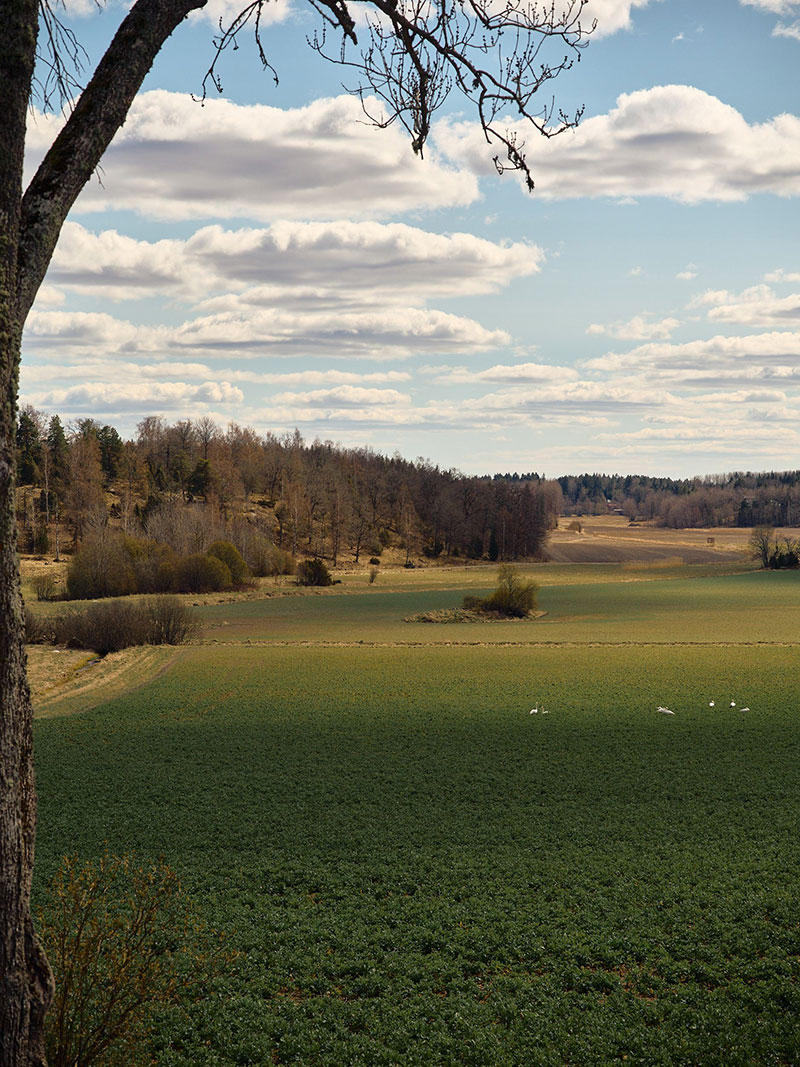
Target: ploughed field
[{"x": 416, "y": 870}]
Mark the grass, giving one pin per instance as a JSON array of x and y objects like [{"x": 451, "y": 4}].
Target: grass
[{"x": 418, "y": 872}]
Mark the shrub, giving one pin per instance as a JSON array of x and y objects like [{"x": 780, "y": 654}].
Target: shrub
[
  {"x": 123, "y": 942},
  {"x": 313, "y": 572},
  {"x": 375, "y": 561},
  {"x": 154, "y": 565},
  {"x": 118, "y": 624},
  {"x": 103, "y": 628},
  {"x": 373, "y": 574},
  {"x": 473, "y": 603},
  {"x": 230, "y": 556},
  {"x": 101, "y": 567},
  {"x": 513, "y": 597},
  {"x": 38, "y": 628},
  {"x": 202, "y": 574},
  {"x": 282, "y": 562},
  {"x": 170, "y": 621},
  {"x": 45, "y": 586}
]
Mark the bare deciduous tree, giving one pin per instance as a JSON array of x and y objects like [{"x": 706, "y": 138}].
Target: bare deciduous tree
[{"x": 417, "y": 51}]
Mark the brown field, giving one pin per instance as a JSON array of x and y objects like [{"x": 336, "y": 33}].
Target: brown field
[{"x": 612, "y": 539}]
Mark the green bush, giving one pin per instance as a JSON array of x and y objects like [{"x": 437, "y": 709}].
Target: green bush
[
  {"x": 313, "y": 572},
  {"x": 202, "y": 574},
  {"x": 153, "y": 564},
  {"x": 100, "y": 568},
  {"x": 231, "y": 557},
  {"x": 513, "y": 597}
]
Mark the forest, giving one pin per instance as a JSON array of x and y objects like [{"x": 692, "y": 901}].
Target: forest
[{"x": 189, "y": 483}]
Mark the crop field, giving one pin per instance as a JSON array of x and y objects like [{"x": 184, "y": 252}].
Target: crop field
[{"x": 414, "y": 870}]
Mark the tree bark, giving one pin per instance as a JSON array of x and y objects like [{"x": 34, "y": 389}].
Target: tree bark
[{"x": 29, "y": 230}]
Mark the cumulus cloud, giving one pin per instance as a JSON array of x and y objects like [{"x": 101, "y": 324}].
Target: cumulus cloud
[
  {"x": 782, "y": 276},
  {"x": 176, "y": 160},
  {"x": 291, "y": 263},
  {"x": 759, "y": 356},
  {"x": 756, "y": 306},
  {"x": 612, "y": 15},
  {"x": 116, "y": 266},
  {"x": 672, "y": 140},
  {"x": 107, "y": 397},
  {"x": 639, "y": 328},
  {"x": 515, "y": 372},
  {"x": 345, "y": 396},
  {"x": 380, "y": 333}
]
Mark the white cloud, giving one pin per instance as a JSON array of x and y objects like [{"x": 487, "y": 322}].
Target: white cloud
[
  {"x": 380, "y": 332},
  {"x": 782, "y": 276},
  {"x": 672, "y": 140},
  {"x": 300, "y": 264},
  {"x": 116, "y": 266},
  {"x": 775, "y": 7},
  {"x": 345, "y": 396},
  {"x": 756, "y": 306},
  {"x": 108, "y": 397},
  {"x": 704, "y": 357},
  {"x": 639, "y": 328},
  {"x": 791, "y": 30},
  {"x": 174, "y": 159},
  {"x": 612, "y": 15},
  {"x": 515, "y": 372}
]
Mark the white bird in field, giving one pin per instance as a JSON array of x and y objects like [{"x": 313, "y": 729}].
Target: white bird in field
[
  {"x": 664, "y": 711},
  {"x": 744, "y": 709},
  {"x": 533, "y": 711},
  {"x": 711, "y": 703},
  {"x": 733, "y": 703},
  {"x": 545, "y": 711}
]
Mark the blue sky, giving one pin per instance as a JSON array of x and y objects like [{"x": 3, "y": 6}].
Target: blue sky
[{"x": 271, "y": 260}]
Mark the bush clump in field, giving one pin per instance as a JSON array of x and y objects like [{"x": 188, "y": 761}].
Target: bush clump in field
[
  {"x": 313, "y": 572},
  {"x": 45, "y": 587},
  {"x": 514, "y": 598},
  {"x": 231, "y": 557},
  {"x": 110, "y": 627},
  {"x": 100, "y": 568},
  {"x": 38, "y": 628},
  {"x": 199, "y": 573},
  {"x": 124, "y": 943}
]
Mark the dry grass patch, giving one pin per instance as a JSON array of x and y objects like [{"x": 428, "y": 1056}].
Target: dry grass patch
[{"x": 65, "y": 681}]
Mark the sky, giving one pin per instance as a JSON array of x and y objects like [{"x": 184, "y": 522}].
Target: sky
[{"x": 271, "y": 259}]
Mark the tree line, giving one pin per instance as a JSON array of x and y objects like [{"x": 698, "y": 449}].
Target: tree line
[
  {"x": 767, "y": 498},
  {"x": 190, "y": 481}
]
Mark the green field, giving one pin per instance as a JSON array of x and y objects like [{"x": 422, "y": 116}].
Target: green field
[{"x": 415, "y": 870}]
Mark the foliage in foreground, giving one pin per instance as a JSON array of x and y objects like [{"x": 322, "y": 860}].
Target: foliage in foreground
[
  {"x": 117, "y": 624},
  {"x": 514, "y": 598},
  {"x": 122, "y": 940}
]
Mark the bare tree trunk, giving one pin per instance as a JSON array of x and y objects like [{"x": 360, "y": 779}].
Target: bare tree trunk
[
  {"x": 25, "y": 979},
  {"x": 29, "y": 229}
]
